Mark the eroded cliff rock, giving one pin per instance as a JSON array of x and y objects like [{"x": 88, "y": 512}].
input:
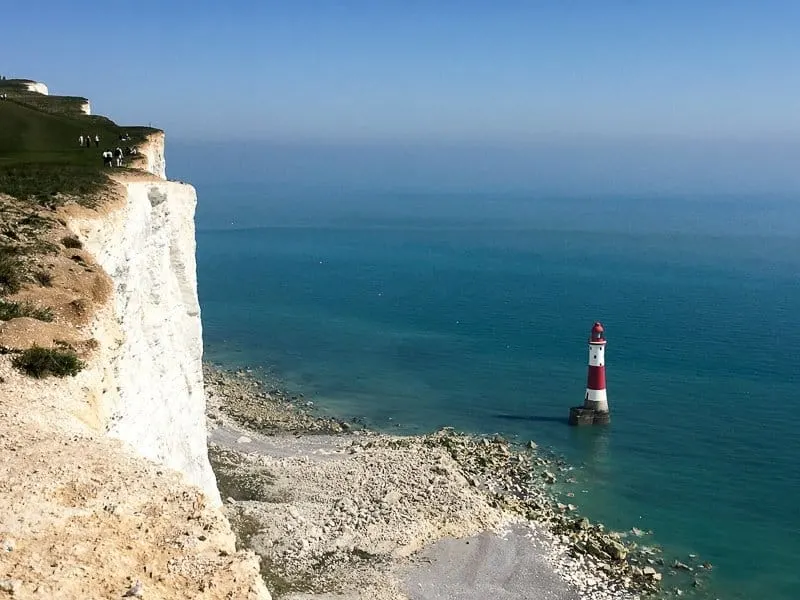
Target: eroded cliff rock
[
  {"x": 83, "y": 516},
  {"x": 38, "y": 87},
  {"x": 155, "y": 394},
  {"x": 153, "y": 151}
]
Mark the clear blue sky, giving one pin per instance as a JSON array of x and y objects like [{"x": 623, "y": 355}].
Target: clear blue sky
[{"x": 418, "y": 71}]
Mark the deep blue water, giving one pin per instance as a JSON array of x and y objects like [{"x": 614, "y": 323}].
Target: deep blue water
[{"x": 473, "y": 311}]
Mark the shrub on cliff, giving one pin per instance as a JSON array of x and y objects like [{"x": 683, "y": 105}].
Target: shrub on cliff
[
  {"x": 14, "y": 310},
  {"x": 11, "y": 276},
  {"x": 44, "y": 278},
  {"x": 71, "y": 241},
  {"x": 40, "y": 362}
]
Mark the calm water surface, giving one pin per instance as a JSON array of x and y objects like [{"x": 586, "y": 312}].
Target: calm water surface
[{"x": 421, "y": 310}]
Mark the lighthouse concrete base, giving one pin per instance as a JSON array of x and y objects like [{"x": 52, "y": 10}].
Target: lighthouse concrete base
[
  {"x": 601, "y": 418},
  {"x": 580, "y": 415},
  {"x": 598, "y": 406}
]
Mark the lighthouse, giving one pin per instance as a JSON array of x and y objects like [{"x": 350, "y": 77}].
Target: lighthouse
[{"x": 595, "y": 402}]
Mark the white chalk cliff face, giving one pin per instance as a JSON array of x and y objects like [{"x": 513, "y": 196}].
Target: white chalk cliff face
[
  {"x": 153, "y": 151},
  {"x": 39, "y": 88},
  {"x": 154, "y": 398},
  {"x": 86, "y": 108}
]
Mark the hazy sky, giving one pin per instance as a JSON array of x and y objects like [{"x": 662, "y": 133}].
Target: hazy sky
[{"x": 418, "y": 71}]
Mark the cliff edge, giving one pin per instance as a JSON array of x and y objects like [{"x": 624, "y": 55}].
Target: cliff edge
[{"x": 105, "y": 474}]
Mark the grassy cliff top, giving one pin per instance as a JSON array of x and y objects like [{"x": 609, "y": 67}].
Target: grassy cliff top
[
  {"x": 42, "y": 167},
  {"x": 40, "y": 158},
  {"x": 49, "y": 285},
  {"x": 19, "y": 83}
]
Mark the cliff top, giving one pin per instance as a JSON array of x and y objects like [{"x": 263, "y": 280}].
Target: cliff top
[
  {"x": 16, "y": 82},
  {"x": 40, "y": 155},
  {"x": 49, "y": 285}
]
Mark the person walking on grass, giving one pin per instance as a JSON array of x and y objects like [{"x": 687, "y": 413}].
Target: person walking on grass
[
  {"x": 80, "y": 141},
  {"x": 96, "y": 141}
]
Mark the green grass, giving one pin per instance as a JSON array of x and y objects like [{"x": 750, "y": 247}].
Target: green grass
[
  {"x": 41, "y": 362},
  {"x": 12, "y": 85},
  {"x": 31, "y": 134},
  {"x": 57, "y": 105},
  {"x": 40, "y": 159},
  {"x": 14, "y": 310}
]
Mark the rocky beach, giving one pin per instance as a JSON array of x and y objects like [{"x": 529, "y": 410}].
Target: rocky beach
[{"x": 336, "y": 510}]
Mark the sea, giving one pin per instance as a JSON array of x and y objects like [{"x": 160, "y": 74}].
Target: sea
[{"x": 417, "y": 309}]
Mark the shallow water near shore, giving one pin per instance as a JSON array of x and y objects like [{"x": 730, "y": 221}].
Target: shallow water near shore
[{"x": 421, "y": 311}]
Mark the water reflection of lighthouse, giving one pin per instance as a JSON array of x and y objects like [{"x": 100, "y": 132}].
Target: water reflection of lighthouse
[{"x": 595, "y": 402}]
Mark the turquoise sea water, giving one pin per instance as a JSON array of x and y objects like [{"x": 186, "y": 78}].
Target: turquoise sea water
[{"x": 422, "y": 310}]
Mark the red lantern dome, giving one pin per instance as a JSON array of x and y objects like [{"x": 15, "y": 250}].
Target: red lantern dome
[{"x": 598, "y": 334}]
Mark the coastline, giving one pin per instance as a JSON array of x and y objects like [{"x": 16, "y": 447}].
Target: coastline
[{"x": 337, "y": 510}]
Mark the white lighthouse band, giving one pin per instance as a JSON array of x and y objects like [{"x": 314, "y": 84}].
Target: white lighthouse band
[
  {"x": 597, "y": 355},
  {"x": 597, "y": 400}
]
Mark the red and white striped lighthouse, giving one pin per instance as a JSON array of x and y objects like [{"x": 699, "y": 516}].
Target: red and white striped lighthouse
[
  {"x": 596, "y": 398},
  {"x": 595, "y": 403}
]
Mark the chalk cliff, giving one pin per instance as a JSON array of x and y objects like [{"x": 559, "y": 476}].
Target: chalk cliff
[
  {"x": 153, "y": 152},
  {"x": 156, "y": 403},
  {"x": 105, "y": 475},
  {"x": 38, "y": 87}
]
